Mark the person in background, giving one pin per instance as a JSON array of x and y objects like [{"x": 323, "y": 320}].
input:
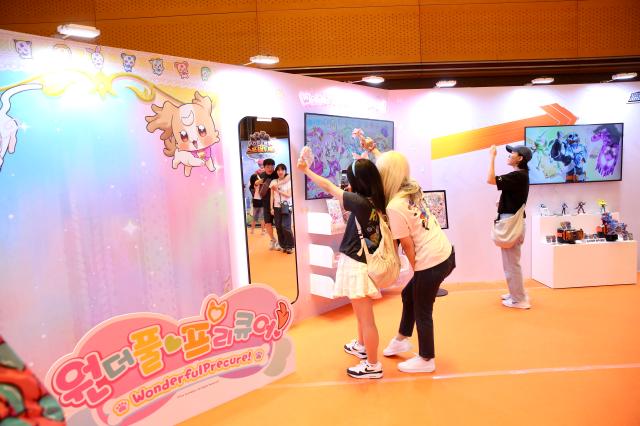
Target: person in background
[
  {"x": 256, "y": 203},
  {"x": 264, "y": 181},
  {"x": 282, "y": 208},
  {"x": 514, "y": 187},
  {"x": 352, "y": 279}
]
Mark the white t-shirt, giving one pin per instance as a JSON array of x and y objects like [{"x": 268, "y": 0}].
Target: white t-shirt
[
  {"x": 408, "y": 219},
  {"x": 282, "y": 185}
]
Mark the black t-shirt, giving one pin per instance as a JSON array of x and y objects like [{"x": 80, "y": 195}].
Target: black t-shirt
[
  {"x": 266, "y": 180},
  {"x": 361, "y": 208},
  {"x": 515, "y": 191}
]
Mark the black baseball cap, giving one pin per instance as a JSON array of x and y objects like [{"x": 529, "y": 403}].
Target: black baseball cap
[{"x": 522, "y": 150}]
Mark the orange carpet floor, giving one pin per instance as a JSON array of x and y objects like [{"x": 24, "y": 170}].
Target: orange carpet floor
[
  {"x": 573, "y": 359},
  {"x": 272, "y": 267}
]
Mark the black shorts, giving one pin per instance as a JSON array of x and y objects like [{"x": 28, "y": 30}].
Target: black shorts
[{"x": 268, "y": 217}]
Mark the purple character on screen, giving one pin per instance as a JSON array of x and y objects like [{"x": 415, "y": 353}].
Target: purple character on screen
[{"x": 610, "y": 151}]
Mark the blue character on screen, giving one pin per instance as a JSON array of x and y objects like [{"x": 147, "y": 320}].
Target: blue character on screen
[{"x": 572, "y": 153}]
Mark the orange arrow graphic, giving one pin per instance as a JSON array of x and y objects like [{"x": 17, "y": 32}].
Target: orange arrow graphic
[
  {"x": 283, "y": 314},
  {"x": 499, "y": 134}
]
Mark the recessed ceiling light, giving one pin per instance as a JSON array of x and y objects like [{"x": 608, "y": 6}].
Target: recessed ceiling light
[
  {"x": 75, "y": 30},
  {"x": 373, "y": 79},
  {"x": 542, "y": 80},
  {"x": 624, "y": 76},
  {"x": 446, "y": 83},
  {"x": 264, "y": 59}
]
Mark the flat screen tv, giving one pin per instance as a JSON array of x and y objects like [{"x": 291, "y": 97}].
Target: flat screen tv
[
  {"x": 333, "y": 147},
  {"x": 575, "y": 154}
]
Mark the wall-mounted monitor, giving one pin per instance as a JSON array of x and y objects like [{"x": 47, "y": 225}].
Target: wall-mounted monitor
[
  {"x": 575, "y": 154},
  {"x": 333, "y": 147}
]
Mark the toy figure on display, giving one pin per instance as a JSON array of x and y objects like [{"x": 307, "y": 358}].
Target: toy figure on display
[
  {"x": 610, "y": 228},
  {"x": 603, "y": 205},
  {"x": 567, "y": 235},
  {"x": 564, "y": 209},
  {"x": 572, "y": 153},
  {"x": 544, "y": 211},
  {"x": 580, "y": 207}
]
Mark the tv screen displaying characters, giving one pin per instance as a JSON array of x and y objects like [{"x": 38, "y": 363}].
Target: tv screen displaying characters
[
  {"x": 333, "y": 147},
  {"x": 574, "y": 154}
]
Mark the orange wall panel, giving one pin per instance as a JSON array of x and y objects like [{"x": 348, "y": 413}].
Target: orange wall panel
[
  {"x": 116, "y": 9},
  {"x": 37, "y": 11},
  {"x": 227, "y": 38},
  {"x": 264, "y": 5},
  {"x": 507, "y": 31},
  {"x": 341, "y": 36},
  {"x": 608, "y": 28}
]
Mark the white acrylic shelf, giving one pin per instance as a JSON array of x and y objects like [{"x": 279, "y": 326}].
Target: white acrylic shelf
[
  {"x": 322, "y": 256},
  {"x": 582, "y": 264},
  {"x": 320, "y": 223}
]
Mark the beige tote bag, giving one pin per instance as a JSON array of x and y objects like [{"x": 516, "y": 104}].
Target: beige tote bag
[{"x": 507, "y": 232}]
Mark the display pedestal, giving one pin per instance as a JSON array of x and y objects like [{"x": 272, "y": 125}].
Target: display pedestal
[{"x": 581, "y": 264}]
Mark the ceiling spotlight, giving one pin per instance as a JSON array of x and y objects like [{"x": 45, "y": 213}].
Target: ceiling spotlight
[
  {"x": 446, "y": 83},
  {"x": 264, "y": 60},
  {"x": 373, "y": 79},
  {"x": 624, "y": 76},
  {"x": 75, "y": 30},
  {"x": 542, "y": 80}
]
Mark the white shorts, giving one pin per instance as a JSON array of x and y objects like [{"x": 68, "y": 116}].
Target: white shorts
[{"x": 352, "y": 280}]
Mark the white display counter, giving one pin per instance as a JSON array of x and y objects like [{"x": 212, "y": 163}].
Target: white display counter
[{"x": 581, "y": 264}]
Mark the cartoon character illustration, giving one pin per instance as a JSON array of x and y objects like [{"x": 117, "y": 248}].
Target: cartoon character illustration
[
  {"x": 610, "y": 151},
  {"x": 62, "y": 50},
  {"x": 188, "y": 132},
  {"x": 128, "y": 61},
  {"x": 572, "y": 153},
  {"x": 8, "y": 125},
  {"x": 23, "y": 47},
  {"x": 205, "y": 73},
  {"x": 183, "y": 69},
  {"x": 157, "y": 65},
  {"x": 96, "y": 57}
]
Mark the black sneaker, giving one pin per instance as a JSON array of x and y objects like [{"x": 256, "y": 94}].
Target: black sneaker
[
  {"x": 356, "y": 349},
  {"x": 364, "y": 370}
]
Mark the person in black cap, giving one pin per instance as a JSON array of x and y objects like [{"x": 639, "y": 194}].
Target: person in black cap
[{"x": 514, "y": 189}]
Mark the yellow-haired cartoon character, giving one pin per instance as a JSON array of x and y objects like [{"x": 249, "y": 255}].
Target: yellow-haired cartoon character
[{"x": 188, "y": 132}]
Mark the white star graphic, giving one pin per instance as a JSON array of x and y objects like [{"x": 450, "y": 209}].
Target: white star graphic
[{"x": 130, "y": 228}]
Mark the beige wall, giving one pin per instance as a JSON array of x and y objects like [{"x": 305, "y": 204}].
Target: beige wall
[{"x": 346, "y": 32}]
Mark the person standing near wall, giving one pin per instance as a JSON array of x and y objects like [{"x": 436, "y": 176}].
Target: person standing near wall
[
  {"x": 352, "y": 279},
  {"x": 282, "y": 208},
  {"x": 266, "y": 177},
  {"x": 514, "y": 187}
]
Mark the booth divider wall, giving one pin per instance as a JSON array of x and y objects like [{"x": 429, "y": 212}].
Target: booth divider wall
[{"x": 445, "y": 134}]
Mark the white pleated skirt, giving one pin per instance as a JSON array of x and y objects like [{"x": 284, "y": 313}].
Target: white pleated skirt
[{"x": 352, "y": 280}]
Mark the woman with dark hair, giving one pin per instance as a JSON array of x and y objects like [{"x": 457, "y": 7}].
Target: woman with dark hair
[
  {"x": 282, "y": 207},
  {"x": 514, "y": 189},
  {"x": 352, "y": 280}
]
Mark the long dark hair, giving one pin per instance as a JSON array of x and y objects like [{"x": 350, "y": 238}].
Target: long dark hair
[{"x": 367, "y": 182}]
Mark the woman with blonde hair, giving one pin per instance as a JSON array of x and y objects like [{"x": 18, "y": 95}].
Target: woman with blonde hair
[{"x": 430, "y": 254}]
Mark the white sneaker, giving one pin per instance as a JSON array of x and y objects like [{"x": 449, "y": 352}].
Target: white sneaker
[
  {"x": 365, "y": 370},
  {"x": 277, "y": 247},
  {"x": 356, "y": 349},
  {"x": 273, "y": 244},
  {"x": 506, "y": 296},
  {"x": 509, "y": 303},
  {"x": 417, "y": 364},
  {"x": 396, "y": 346}
]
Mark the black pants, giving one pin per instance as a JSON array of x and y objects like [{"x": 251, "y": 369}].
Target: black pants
[
  {"x": 283, "y": 228},
  {"x": 418, "y": 297}
]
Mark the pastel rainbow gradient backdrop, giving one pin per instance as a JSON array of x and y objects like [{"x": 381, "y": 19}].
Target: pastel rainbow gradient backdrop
[{"x": 94, "y": 222}]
